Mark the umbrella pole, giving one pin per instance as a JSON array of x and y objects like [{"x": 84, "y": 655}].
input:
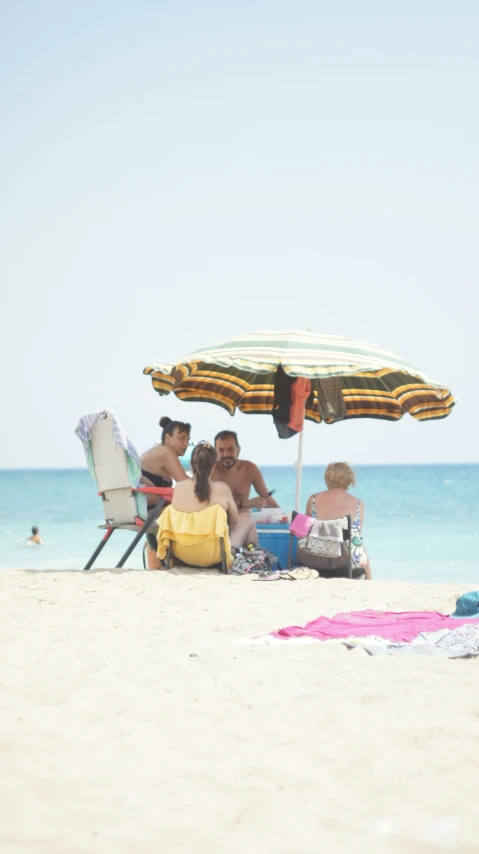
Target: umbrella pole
[{"x": 299, "y": 466}]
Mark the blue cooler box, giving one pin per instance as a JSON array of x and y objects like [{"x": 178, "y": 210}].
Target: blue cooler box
[{"x": 275, "y": 537}]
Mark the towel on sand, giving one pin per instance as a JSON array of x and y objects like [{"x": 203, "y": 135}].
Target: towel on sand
[{"x": 401, "y": 626}]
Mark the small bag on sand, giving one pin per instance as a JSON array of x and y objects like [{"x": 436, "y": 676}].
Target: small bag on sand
[{"x": 254, "y": 560}]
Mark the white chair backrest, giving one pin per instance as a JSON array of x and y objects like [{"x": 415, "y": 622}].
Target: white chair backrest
[{"x": 111, "y": 471}]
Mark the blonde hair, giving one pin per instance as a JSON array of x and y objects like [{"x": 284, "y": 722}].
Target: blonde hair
[{"x": 339, "y": 475}]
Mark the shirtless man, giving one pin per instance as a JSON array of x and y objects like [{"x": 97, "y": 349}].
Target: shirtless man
[{"x": 240, "y": 475}]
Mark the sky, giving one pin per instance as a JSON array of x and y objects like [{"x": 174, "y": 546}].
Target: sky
[{"x": 178, "y": 173}]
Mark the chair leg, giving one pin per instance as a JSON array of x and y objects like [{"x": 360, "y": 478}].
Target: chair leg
[
  {"x": 224, "y": 568},
  {"x": 151, "y": 517},
  {"x": 97, "y": 551},
  {"x": 350, "y": 566},
  {"x": 290, "y": 551}
]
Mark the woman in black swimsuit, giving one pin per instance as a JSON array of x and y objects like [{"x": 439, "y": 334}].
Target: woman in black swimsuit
[{"x": 160, "y": 466}]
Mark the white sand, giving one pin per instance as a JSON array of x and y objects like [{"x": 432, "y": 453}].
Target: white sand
[{"x": 131, "y": 720}]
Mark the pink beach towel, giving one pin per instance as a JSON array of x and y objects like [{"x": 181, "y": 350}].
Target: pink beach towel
[{"x": 390, "y": 625}]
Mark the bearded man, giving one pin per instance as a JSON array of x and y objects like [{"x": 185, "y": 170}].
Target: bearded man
[{"x": 240, "y": 475}]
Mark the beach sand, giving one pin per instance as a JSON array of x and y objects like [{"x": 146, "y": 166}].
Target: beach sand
[{"x": 133, "y": 720}]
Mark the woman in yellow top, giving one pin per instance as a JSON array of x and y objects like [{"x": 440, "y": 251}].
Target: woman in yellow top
[{"x": 199, "y": 515}]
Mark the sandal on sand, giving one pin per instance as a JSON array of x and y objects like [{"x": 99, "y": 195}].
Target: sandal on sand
[{"x": 299, "y": 573}]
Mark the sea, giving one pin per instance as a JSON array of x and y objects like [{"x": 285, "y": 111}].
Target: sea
[{"x": 421, "y": 521}]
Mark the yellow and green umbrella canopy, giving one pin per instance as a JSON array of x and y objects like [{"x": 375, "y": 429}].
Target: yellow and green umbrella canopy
[{"x": 240, "y": 373}]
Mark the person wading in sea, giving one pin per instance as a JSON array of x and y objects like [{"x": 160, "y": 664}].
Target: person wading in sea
[{"x": 35, "y": 538}]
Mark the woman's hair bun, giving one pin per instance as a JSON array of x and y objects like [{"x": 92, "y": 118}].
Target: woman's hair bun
[{"x": 164, "y": 421}]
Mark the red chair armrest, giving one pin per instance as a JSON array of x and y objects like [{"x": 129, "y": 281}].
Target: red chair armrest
[{"x": 164, "y": 491}]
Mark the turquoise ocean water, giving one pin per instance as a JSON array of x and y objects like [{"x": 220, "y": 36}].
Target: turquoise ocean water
[{"x": 422, "y": 522}]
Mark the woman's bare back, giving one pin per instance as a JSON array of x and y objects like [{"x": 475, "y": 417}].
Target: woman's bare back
[
  {"x": 185, "y": 500},
  {"x": 334, "y": 503}
]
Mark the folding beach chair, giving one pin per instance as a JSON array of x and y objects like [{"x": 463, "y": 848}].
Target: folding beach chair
[
  {"x": 331, "y": 567},
  {"x": 116, "y": 470},
  {"x": 171, "y": 560},
  {"x": 204, "y": 548}
]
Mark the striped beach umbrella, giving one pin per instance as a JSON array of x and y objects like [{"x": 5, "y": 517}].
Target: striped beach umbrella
[{"x": 240, "y": 373}]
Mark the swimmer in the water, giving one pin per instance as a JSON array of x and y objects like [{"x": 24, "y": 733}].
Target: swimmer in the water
[{"x": 35, "y": 538}]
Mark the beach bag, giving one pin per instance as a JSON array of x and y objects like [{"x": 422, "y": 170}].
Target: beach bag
[
  {"x": 254, "y": 560},
  {"x": 324, "y": 539},
  {"x": 301, "y": 525}
]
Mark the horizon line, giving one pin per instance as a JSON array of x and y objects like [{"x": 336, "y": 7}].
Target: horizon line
[{"x": 276, "y": 465}]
